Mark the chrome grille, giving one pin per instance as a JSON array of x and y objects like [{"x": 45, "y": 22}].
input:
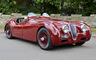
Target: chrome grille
[{"x": 73, "y": 31}]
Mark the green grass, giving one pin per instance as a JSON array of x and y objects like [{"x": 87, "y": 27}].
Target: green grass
[
  {"x": 93, "y": 29},
  {"x": 1, "y": 27}
]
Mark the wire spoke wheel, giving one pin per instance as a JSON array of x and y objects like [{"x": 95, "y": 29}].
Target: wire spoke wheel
[
  {"x": 8, "y": 32},
  {"x": 43, "y": 39}
]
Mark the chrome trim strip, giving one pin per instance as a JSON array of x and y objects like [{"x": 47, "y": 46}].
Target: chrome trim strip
[{"x": 71, "y": 31}]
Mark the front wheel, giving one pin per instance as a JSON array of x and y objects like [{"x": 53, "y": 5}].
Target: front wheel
[{"x": 43, "y": 39}]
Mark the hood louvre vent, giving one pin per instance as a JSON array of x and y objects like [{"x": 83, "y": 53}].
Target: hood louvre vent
[{"x": 73, "y": 31}]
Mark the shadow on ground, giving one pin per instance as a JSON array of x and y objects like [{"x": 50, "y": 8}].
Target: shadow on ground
[{"x": 55, "y": 48}]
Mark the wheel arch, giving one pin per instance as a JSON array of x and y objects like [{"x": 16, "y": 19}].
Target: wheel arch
[
  {"x": 52, "y": 31},
  {"x": 5, "y": 27},
  {"x": 38, "y": 30},
  {"x": 7, "y": 23}
]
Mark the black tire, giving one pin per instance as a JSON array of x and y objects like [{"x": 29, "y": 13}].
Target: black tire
[
  {"x": 49, "y": 44},
  {"x": 10, "y": 35},
  {"x": 79, "y": 44}
]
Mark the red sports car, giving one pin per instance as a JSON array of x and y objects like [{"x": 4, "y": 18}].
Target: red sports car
[{"x": 48, "y": 32}]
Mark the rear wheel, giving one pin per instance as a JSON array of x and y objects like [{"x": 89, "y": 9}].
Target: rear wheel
[
  {"x": 8, "y": 32},
  {"x": 44, "y": 40}
]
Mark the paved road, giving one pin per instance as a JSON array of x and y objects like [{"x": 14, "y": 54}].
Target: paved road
[{"x": 19, "y": 49}]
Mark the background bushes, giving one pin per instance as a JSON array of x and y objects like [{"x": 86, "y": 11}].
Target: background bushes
[{"x": 84, "y": 7}]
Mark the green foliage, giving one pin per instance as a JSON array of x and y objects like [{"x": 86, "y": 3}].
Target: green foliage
[
  {"x": 84, "y": 7},
  {"x": 89, "y": 8},
  {"x": 25, "y": 6},
  {"x": 8, "y": 6},
  {"x": 49, "y": 6}
]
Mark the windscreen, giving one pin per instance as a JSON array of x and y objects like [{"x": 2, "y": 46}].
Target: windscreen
[
  {"x": 45, "y": 15},
  {"x": 31, "y": 14}
]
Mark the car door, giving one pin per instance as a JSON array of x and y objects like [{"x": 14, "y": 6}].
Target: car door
[
  {"x": 18, "y": 29},
  {"x": 29, "y": 30}
]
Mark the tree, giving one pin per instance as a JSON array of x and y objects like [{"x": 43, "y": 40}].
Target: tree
[
  {"x": 49, "y": 6},
  {"x": 85, "y": 7},
  {"x": 89, "y": 7}
]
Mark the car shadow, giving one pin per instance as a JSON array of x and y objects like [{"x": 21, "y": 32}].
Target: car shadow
[
  {"x": 26, "y": 41},
  {"x": 68, "y": 47},
  {"x": 55, "y": 48}
]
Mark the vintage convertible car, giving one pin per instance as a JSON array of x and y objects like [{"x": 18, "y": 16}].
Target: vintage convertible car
[{"x": 48, "y": 32}]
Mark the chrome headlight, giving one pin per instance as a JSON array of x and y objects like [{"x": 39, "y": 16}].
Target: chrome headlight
[
  {"x": 65, "y": 28},
  {"x": 83, "y": 27}
]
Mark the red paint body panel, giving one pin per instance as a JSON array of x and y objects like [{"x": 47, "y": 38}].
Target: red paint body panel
[{"x": 29, "y": 28}]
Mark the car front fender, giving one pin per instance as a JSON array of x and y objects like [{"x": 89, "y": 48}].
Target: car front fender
[{"x": 53, "y": 30}]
